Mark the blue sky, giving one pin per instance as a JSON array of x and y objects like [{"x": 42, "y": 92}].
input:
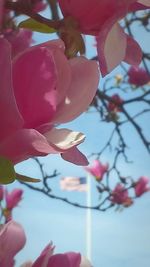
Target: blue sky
[{"x": 118, "y": 238}]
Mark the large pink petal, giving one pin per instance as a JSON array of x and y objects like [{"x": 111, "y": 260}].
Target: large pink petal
[
  {"x": 10, "y": 117},
  {"x": 74, "y": 155},
  {"x": 64, "y": 139},
  {"x": 133, "y": 52},
  {"x": 34, "y": 80},
  {"x": 24, "y": 144},
  {"x": 74, "y": 259},
  {"x": 85, "y": 79},
  {"x": 59, "y": 260},
  {"x": 12, "y": 239},
  {"x": 65, "y": 142},
  {"x": 111, "y": 48},
  {"x": 54, "y": 44},
  {"x": 27, "y": 143},
  {"x": 63, "y": 68},
  {"x": 45, "y": 256}
]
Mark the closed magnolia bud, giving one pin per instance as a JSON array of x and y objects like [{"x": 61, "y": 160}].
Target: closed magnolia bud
[
  {"x": 13, "y": 198},
  {"x": 142, "y": 186}
]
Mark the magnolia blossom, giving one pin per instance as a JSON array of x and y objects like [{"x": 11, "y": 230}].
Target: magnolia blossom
[
  {"x": 138, "y": 76},
  {"x": 69, "y": 259},
  {"x": 115, "y": 106},
  {"x": 13, "y": 198},
  {"x": 40, "y": 88},
  {"x": 100, "y": 18},
  {"x": 12, "y": 240},
  {"x": 120, "y": 196},
  {"x": 142, "y": 186},
  {"x": 97, "y": 169}
]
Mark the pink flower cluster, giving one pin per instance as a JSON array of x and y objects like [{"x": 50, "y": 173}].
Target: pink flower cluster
[
  {"x": 100, "y": 18},
  {"x": 120, "y": 194},
  {"x": 12, "y": 240}
]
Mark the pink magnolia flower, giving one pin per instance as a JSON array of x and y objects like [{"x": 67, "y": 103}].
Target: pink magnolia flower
[
  {"x": 100, "y": 18},
  {"x": 97, "y": 169},
  {"x": 120, "y": 196},
  {"x": 20, "y": 40},
  {"x": 142, "y": 186},
  {"x": 47, "y": 90},
  {"x": 1, "y": 192},
  {"x": 12, "y": 240},
  {"x": 69, "y": 259},
  {"x": 115, "y": 107},
  {"x": 13, "y": 198},
  {"x": 138, "y": 76}
]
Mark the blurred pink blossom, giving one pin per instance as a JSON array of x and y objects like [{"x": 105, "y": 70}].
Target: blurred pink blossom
[
  {"x": 100, "y": 18},
  {"x": 138, "y": 76},
  {"x": 120, "y": 196},
  {"x": 13, "y": 198},
  {"x": 142, "y": 186},
  {"x": 47, "y": 89},
  {"x": 115, "y": 107},
  {"x": 12, "y": 240},
  {"x": 97, "y": 169}
]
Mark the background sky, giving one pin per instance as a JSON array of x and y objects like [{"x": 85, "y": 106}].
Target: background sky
[{"x": 118, "y": 238}]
